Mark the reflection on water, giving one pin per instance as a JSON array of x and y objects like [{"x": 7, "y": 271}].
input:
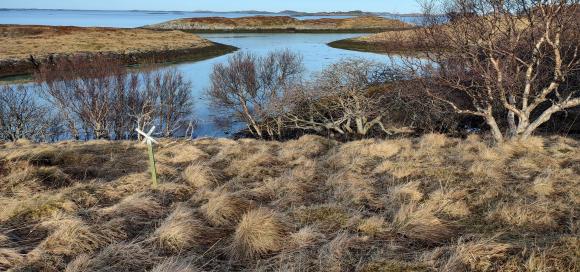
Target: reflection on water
[
  {"x": 312, "y": 47},
  {"x": 316, "y": 55}
]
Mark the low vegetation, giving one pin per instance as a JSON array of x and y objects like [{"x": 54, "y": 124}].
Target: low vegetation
[
  {"x": 26, "y": 47},
  {"x": 311, "y": 204},
  {"x": 282, "y": 24},
  {"x": 97, "y": 98}
]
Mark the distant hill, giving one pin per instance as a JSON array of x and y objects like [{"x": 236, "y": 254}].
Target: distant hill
[
  {"x": 262, "y": 12},
  {"x": 282, "y": 24}
]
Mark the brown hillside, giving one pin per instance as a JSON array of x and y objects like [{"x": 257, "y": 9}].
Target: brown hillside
[{"x": 281, "y": 23}]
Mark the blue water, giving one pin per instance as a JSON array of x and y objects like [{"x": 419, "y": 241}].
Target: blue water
[{"x": 316, "y": 54}]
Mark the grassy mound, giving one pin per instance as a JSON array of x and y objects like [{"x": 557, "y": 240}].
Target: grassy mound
[{"x": 312, "y": 204}]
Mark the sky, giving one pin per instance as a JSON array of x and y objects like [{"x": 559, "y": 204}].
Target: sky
[{"x": 398, "y": 6}]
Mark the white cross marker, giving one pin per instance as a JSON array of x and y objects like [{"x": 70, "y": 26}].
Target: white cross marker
[{"x": 149, "y": 141}]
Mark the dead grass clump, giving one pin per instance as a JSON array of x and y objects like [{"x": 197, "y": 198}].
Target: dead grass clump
[
  {"x": 383, "y": 149},
  {"x": 449, "y": 202},
  {"x": 543, "y": 185},
  {"x": 181, "y": 153},
  {"x": 393, "y": 266},
  {"x": 532, "y": 217},
  {"x": 355, "y": 188},
  {"x": 401, "y": 169},
  {"x": 200, "y": 175},
  {"x": 260, "y": 231},
  {"x": 52, "y": 177},
  {"x": 175, "y": 265},
  {"x": 34, "y": 209},
  {"x": 337, "y": 254},
  {"x": 73, "y": 237},
  {"x": 180, "y": 231},
  {"x": 256, "y": 167},
  {"x": 328, "y": 217},
  {"x": 478, "y": 255},
  {"x": 305, "y": 237},
  {"x": 137, "y": 205},
  {"x": 406, "y": 193},
  {"x": 88, "y": 195},
  {"x": 135, "y": 213},
  {"x": 122, "y": 257},
  {"x": 419, "y": 222},
  {"x": 10, "y": 258},
  {"x": 171, "y": 192},
  {"x": 432, "y": 141},
  {"x": 374, "y": 226},
  {"x": 225, "y": 209},
  {"x": 562, "y": 255},
  {"x": 309, "y": 146}
]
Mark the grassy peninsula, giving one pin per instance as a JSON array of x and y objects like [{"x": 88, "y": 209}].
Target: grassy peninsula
[
  {"x": 282, "y": 24},
  {"x": 412, "y": 204},
  {"x": 24, "y": 48},
  {"x": 405, "y": 42}
]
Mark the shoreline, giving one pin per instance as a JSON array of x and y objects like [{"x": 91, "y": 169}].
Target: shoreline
[
  {"x": 374, "y": 47},
  {"x": 21, "y": 68},
  {"x": 283, "y": 30},
  {"x": 282, "y": 24}
]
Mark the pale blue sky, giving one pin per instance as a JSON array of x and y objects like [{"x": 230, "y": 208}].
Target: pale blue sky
[{"x": 400, "y": 6}]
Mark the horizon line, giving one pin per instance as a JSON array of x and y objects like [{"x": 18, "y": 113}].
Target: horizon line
[{"x": 212, "y": 11}]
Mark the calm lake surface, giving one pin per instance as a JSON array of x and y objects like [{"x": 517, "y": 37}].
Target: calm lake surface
[{"x": 316, "y": 54}]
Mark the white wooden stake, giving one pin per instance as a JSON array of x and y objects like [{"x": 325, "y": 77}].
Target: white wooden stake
[{"x": 149, "y": 141}]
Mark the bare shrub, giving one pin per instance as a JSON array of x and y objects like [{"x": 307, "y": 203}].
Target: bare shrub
[
  {"x": 99, "y": 98},
  {"x": 247, "y": 86},
  {"x": 339, "y": 100},
  {"x": 512, "y": 63},
  {"x": 22, "y": 116}
]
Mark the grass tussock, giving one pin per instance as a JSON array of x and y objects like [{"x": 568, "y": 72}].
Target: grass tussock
[
  {"x": 259, "y": 232},
  {"x": 415, "y": 204},
  {"x": 180, "y": 231}
]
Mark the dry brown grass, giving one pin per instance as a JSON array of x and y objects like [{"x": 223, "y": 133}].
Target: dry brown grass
[
  {"x": 281, "y": 23},
  {"x": 40, "y": 41},
  {"x": 180, "y": 231},
  {"x": 225, "y": 209},
  {"x": 259, "y": 232},
  {"x": 312, "y": 204}
]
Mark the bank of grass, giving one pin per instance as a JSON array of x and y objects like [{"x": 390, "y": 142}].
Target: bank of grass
[
  {"x": 282, "y": 24},
  {"x": 24, "y": 48},
  {"x": 401, "y": 42},
  {"x": 312, "y": 204}
]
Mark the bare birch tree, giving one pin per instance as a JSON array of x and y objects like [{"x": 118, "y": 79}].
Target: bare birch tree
[
  {"x": 22, "y": 116},
  {"x": 247, "y": 86},
  {"x": 513, "y": 63}
]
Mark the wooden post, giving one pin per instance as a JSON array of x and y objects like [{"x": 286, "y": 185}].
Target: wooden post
[
  {"x": 152, "y": 165},
  {"x": 149, "y": 141}
]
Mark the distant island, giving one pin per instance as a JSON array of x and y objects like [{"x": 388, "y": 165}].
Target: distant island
[
  {"x": 26, "y": 48},
  {"x": 282, "y": 24},
  {"x": 261, "y": 12}
]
